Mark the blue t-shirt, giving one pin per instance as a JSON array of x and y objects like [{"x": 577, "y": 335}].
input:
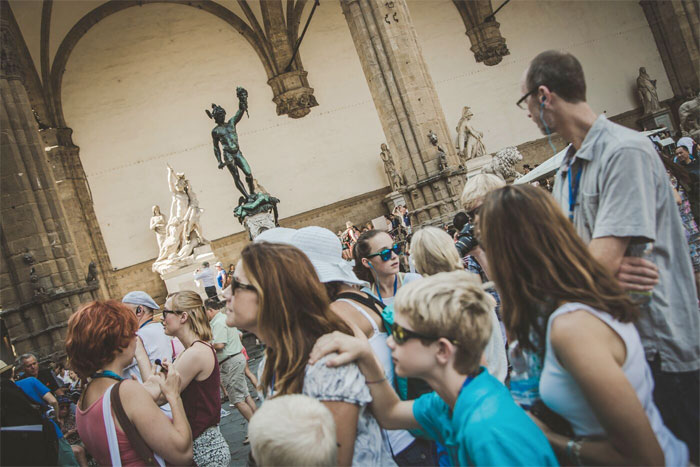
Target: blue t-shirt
[
  {"x": 486, "y": 428},
  {"x": 35, "y": 390}
]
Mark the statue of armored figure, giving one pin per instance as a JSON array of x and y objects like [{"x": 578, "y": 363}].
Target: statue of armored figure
[
  {"x": 469, "y": 141},
  {"x": 225, "y": 134},
  {"x": 442, "y": 156},
  {"x": 646, "y": 88},
  {"x": 182, "y": 234},
  {"x": 395, "y": 179}
]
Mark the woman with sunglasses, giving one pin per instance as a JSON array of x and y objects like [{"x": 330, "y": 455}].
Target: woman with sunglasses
[
  {"x": 595, "y": 373},
  {"x": 377, "y": 262},
  {"x": 184, "y": 317},
  {"x": 275, "y": 294}
]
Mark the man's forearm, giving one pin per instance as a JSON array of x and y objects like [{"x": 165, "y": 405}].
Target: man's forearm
[{"x": 609, "y": 251}]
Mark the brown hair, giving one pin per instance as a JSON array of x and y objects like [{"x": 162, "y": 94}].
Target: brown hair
[
  {"x": 294, "y": 311},
  {"x": 538, "y": 260},
  {"x": 561, "y": 72},
  {"x": 361, "y": 250},
  {"x": 96, "y": 333},
  {"x": 191, "y": 302}
]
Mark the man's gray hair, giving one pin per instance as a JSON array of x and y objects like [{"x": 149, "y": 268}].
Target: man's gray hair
[{"x": 25, "y": 356}]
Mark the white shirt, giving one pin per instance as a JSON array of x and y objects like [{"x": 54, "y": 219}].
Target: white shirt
[
  {"x": 207, "y": 277},
  {"x": 157, "y": 344},
  {"x": 561, "y": 393}
]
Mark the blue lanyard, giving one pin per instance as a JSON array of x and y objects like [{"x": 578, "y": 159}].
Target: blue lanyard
[
  {"x": 107, "y": 374},
  {"x": 573, "y": 190},
  {"x": 379, "y": 292},
  {"x": 147, "y": 322}
]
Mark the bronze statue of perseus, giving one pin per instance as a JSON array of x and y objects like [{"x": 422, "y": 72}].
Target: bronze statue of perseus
[{"x": 225, "y": 134}]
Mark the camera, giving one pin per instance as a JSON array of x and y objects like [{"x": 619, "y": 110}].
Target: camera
[{"x": 467, "y": 240}]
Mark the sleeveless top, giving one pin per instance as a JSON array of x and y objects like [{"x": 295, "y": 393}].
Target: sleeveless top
[
  {"x": 91, "y": 428},
  {"x": 202, "y": 400},
  {"x": 398, "y": 439},
  {"x": 560, "y": 392}
]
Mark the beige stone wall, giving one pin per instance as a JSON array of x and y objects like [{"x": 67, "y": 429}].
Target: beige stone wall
[{"x": 612, "y": 39}]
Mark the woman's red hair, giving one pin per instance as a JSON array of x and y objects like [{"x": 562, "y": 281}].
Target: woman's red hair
[{"x": 96, "y": 332}]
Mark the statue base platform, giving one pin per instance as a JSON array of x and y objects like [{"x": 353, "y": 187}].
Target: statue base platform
[
  {"x": 394, "y": 199},
  {"x": 181, "y": 277},
  {"x": 475, "y": 165},
  {"x": 659, "y": 119},
  {"x": 258, "y": 223}
]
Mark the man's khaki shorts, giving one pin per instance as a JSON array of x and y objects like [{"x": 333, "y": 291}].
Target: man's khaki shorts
[{"x": 233, "y": 378}]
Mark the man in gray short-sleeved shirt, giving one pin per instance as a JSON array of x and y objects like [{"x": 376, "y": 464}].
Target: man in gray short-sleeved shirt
[{"x": 614, "y": 188}]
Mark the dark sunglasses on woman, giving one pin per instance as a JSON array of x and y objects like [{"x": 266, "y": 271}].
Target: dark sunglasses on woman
[{"x": 385, "y": 254}]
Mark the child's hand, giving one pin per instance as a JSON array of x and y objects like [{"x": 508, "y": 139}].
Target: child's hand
[{"x": 349, "y": 348}]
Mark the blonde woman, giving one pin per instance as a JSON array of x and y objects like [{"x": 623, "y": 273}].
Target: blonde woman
[
  {"x": 184, "y": 317},
  {"x": 433, "y": 251}
]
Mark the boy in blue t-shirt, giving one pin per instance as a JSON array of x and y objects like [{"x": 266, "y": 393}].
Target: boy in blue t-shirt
[{"x": 442, "y": 325}]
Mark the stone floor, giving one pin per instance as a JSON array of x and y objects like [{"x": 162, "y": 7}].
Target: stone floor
[{"x": 233, "y": 426}]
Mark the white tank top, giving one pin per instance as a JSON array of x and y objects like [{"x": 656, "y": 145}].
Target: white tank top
[
  {"x": 398, "y": 439},
  {"x": 560, "y": 392}
]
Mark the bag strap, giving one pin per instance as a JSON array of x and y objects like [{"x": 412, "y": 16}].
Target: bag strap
[
  {"x": 367, "y": 300},
  {"x": 135, "y": 440}
]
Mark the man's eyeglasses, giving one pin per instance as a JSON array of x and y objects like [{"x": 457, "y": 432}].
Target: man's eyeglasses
[
  {"x": 521, "y": 102},
  {"x": 401, "y": 335},
  {"x": 385, "y": 254},
  {"x": 235, "y": 284}
]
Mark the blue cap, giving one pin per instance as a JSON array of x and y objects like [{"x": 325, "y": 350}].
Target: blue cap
[{"x": 139, "y": 297}]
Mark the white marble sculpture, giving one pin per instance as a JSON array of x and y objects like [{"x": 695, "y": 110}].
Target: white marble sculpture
[
  {"x": 158, "y": 226},
  {"x": 689, "y": 115},
  {"x": 182, "y": 232},
  {"x": 470, "y": 144},
  {"x": 503, "y": 162}
]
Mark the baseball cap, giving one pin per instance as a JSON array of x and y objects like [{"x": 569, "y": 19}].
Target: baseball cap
[
  {"x": 219, "y": 264},
  {"x": 139, "y": 297}
]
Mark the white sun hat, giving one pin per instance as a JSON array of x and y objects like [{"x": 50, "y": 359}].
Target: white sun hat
[
  {"x": 325, "y": 251},
  {"x": 276, "y": 235}
]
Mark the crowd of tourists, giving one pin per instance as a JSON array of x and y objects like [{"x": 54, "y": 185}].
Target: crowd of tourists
[{"x": 545, "y": 329}]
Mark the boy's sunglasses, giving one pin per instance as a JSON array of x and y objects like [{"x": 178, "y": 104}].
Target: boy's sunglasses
[
  {"x": 385, "y": 254},
  {"x": 401, "y": 335}
]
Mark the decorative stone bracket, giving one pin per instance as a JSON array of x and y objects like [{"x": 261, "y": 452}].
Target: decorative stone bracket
[
  {"x": 483, "y": 31},
  {"x": 292, "y": 94}
]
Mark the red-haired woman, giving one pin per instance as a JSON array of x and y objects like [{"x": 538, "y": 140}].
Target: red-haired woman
[{"x": 101, "y": 341}]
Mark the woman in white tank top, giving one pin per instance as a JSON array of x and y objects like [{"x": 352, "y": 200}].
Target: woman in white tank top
[{"x": 595, "y": 374}]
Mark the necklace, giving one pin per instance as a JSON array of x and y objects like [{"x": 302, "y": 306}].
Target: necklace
[{"x": 107, "y": 374}]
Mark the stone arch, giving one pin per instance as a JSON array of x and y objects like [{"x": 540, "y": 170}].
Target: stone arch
[{"x": 98, "y": 14}]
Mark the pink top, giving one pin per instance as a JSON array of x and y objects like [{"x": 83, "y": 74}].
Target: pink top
[{"x": 91, "y": 428}]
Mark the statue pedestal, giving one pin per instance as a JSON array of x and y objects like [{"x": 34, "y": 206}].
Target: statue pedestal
[
  {"x": 659, "y": 119},
  {"x": 394, "y": 199},
  {"x": 475, "y": 165},
  {"x": 181, "y": 277},
  {"x": 258, "y": 223}
]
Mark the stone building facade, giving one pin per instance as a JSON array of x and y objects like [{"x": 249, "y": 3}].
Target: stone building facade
[{"x": 98, "y": 96}]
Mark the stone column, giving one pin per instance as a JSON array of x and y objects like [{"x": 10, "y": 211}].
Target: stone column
[
  {"x": 676, "y": 28},
  {"x": 41, "y": 278},
  {"x": 408, "y": 106},
  {"x": 76, "y": 198}
]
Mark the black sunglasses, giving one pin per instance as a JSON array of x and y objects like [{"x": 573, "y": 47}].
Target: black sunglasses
[
  {"x": 173, "y": 312},
  {"x": 401, "y": 335},
  {"x": 522, "y": 99},
  {"x": 385, "y": 254},
  {"x": 235, "y": 284}
]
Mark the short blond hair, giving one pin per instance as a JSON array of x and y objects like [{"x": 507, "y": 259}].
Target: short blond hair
[
  {"x": 197, "y": 320},
  {"x": 477, "y": 187},
  {"x": 452, "y": 305},
  {"x": 433, "y": 251},
  {"x": 293, "y": 430}
]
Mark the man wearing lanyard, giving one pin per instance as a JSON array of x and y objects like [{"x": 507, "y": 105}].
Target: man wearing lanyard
[
  {"x": 614, "y": 188},
  {"x": 157, "y": 344}
]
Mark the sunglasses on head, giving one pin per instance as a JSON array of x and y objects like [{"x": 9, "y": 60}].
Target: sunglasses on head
[
  {"x": 401, "y": 335},
  {"x": 385, "y": 254}
]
